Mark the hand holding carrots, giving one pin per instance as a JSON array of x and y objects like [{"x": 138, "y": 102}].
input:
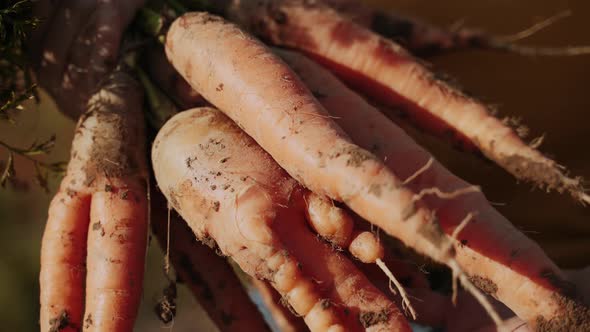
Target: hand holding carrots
[{"x": 288, "y": 143}]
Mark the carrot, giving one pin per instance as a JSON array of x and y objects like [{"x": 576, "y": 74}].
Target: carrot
[
  {"x": 384, "y": 71},
  {"x": 97, "y": 226},
  {"x": 209, "y": 277},
  {"x": 166, "y": 78},
  {"x": 424, "y": 39},
  {"x": 298, "y": 132},
  {"x": 500, "y": 259},
  {"x": 330, "y": 222},
  {"x": 232, "y": 193},
  {"x": 63, "y": 259},
  {"x": 304, "y": 140}
]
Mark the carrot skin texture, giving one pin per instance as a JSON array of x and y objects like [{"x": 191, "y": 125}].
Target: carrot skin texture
[
  {"x": 490, "y": 246},
  {"x": 63, "y": 262},
  {"x": 383, "y": 70},
  {"x": 118, "y": 217},
  {"x": 118, "y": 227},
  {"x": 208, "y": 276},
  {"x": 258, "y": 219}
]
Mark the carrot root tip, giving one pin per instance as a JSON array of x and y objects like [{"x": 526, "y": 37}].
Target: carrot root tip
[{"x": 548, "y": 176}]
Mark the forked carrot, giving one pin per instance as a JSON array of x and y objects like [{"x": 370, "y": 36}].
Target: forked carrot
[{"x": 96, "y": 232}]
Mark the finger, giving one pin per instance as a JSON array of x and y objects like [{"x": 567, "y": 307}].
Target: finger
[
  {"x": 116, "y": 254},
  {"x": 63, "y": 261},
  {"x": 92, "y": 55},
  {"x": 44, "y": 11},
  {"x": 65, "y": 25},
  {"x": 127, "y": 9},
  {"x": 170, "y": 81},
  {"x": 111, "y": 20}
]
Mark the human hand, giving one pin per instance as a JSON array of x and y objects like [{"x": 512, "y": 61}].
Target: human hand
[{"x": 76, "y": 46}]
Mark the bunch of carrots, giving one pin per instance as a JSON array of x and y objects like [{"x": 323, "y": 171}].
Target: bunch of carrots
[{"x": 288, "y": 137}]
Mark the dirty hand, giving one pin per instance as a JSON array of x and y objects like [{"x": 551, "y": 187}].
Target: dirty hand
[{"x": 76, "y": 45}]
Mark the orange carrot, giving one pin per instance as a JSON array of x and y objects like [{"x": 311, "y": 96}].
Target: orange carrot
[
  {"x": 209, "y": 277},
  {"x": 330, "y": 222},
  {"x": 63, "y": 262},
  {"x": 386, "y": 72},
  {"x": 424, "y": 39},
  {"x": 298, "y": 132},
  {"x": 232, "y": 193},
  {"x": 302, "y": 138},
  {"x": 499, "y": 258},
  {"x": 97, "y": 227}
]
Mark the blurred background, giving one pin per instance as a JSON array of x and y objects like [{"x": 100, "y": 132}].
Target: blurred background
[{"x": 551, "y": 95}]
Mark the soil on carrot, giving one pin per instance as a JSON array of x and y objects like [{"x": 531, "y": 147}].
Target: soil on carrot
[
  {"x": 485, "y": 284},
  {"x": 431, "y": 231},
  {"x": 575, "y": 316},
  {"x": 356, "y": 156},
  {"x": 59, "y": 322},
  {"x": 109, "y": 156},
  {"x": 543, "y": 175},
  {"x": 370, "y": 318},
  {"x": 97, "y": 226},
  {"x": 88, "y": 321}
]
